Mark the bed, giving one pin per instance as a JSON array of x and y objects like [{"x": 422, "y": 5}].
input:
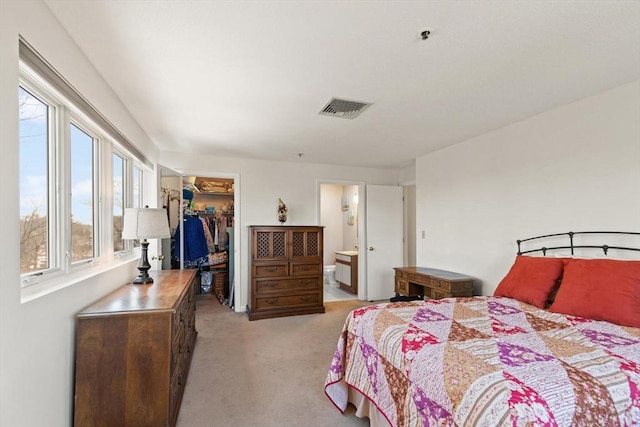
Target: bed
[{"x": 558, "y": 344}]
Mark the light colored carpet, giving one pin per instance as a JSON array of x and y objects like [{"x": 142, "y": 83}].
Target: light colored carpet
[{"x": 268, "y": 372}]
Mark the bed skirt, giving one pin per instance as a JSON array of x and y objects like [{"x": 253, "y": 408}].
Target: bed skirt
[{"x": 365, "y": 408}]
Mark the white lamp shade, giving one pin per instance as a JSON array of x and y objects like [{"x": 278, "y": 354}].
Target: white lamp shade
[{"x": 145, "y": 223}]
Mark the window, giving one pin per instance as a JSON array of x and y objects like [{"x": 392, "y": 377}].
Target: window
[
  {"x": 136, "y": 194},
  {"x": 136, "y": 187},
  {"x": 70, "y": 155},
  {"x": 83, "y": 235},
  {"x": 35, "y": 207},
  {"x": 118, "y": 201}
]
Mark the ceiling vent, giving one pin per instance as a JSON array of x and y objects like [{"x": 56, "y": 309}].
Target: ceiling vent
[{"x": 344, "y": 108}]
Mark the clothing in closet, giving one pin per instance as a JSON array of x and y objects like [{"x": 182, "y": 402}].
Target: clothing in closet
[{"x": 195, "y": 243}]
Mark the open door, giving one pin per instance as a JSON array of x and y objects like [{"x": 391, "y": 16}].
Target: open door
[
  {"x": 384, "y": 233},
  {"x": 170, "y": 195}
]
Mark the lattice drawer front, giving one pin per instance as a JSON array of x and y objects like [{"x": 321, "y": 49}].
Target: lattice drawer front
[
  {"x": 279, "y": 244},
  {"x": 298, "y": 243},
  {"x": 271, "y": 244},
  {"x": 312, "y": 244},
  {"x": 262, "y": 250}
]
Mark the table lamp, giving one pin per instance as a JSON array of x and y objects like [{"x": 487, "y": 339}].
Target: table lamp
[{"x": 145, "y": 223}]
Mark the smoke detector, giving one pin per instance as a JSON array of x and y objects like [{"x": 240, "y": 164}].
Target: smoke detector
[{"x": 345, "y": 108}]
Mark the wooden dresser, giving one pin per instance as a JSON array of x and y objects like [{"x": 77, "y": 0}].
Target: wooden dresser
[
  {"x": 133, "y": 351},
  {"x": 286, "y": 271},
  {"x": 432, "y": 283}
]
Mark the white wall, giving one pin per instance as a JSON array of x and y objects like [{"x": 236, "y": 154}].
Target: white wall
[
  {"x": 410, "y": 233},
  {"x": 261, "y": 183},
  {"x": 575, "y": 168},
  {"x": 37, "y": 338}
]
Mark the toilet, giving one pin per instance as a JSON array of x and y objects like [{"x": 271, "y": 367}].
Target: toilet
[{"x": 329, "y": 274}]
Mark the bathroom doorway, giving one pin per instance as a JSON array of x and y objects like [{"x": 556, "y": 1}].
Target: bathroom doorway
[{"x": 339, "y": 205}]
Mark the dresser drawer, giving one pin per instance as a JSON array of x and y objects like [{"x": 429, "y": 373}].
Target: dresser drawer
[
  {"x": 401, "y": 274},
  {"x": 402, "y": 287},
  {"x": 448, "y": 286},
  {"x": 176, "y": 351},
  {"x": 181, "y": 316},
  {"x": 417, "y": 278},
  {"x": 438, "y": 294},
  {"x": 440, "y": 284},
  {"x": 175, "y": 393},
  {"x": 287, "y": 301},
  {"x": 271, "y": 269},
  {"x": 305, "y": 268},
  {"x": 266, "y": 286}
]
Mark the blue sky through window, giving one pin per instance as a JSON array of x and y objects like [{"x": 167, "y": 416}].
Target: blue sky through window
[
  {"x": 33, "y": 155},
  {"x": 82, "y": 146}
]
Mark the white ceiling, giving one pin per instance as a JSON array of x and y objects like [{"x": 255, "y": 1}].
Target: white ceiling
[{"x": 247, "y": 78}]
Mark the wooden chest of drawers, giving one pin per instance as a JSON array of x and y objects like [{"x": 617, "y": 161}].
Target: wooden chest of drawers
[
  {"x": 432, "y": 283},
  {"x": 286, "y": 271},
  {"x": 133, "y": 351}
]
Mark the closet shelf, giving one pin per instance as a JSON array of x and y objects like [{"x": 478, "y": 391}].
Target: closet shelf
[
  {"x": 215, "y": 193},
  {"x": 214, "y": 213}
]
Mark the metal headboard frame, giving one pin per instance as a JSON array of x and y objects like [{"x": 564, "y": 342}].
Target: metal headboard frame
[{"x": 571, "y": 245}]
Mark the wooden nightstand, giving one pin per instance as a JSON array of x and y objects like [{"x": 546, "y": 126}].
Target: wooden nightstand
[{"x": 432, "y": 283}]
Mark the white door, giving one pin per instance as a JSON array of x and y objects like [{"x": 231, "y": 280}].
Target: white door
[
  {"x": 384, "y": 246},
  {"x": 169, "y": 197}
]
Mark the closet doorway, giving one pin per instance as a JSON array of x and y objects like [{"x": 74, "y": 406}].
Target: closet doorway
[
  {"x": 208, "y": 237},
  {"x": 202, "y": 210}
]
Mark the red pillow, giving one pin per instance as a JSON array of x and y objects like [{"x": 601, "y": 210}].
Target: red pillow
[
  {"x": 531, "y": 279},
  {"x": 601, "y": 289}
]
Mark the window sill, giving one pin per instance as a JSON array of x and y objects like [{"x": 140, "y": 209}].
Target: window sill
[{"x": 46, "y": 287}]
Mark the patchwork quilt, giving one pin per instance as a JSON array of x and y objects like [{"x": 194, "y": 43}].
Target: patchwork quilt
[{"x": 487, "y": 361}]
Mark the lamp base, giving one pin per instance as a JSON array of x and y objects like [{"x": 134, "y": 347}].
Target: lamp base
[
  {"x": 144, "y": 266},
  {"x": 142, "y": 279}
]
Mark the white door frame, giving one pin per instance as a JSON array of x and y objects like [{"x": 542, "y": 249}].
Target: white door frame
[
  {"x": 159, "y": 175},
  {"x": 362, "y": 254}
]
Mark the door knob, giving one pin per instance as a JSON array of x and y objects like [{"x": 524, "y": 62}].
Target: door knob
[{"x": 370, "y": 248}]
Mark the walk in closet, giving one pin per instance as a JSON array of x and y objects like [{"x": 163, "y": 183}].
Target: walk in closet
[{"x": 202, "y": 233}]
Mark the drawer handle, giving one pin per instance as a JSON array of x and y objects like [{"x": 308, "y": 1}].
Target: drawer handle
[
  {"x": 305, "y": 282},
  {"x": 306, "y": 298},
  {"x": 271, "y": 301},
  {"x": 271, "y": 269},
  {"x": 270, "y": 284},
  {"x": 305, "y": 267}
]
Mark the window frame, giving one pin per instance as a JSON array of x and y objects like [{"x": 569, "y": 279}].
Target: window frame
[
  {"x": 75, "y": 119},
  {"x": 54, "y": 205},
  {"x": 62, "y": 113},
  {"x": 127, "y": 191}
]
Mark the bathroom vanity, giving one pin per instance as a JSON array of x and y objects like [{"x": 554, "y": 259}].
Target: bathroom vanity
[{"x": 347, "y": 270}]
